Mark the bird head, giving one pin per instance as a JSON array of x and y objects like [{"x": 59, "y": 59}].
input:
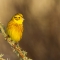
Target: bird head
[{"x": 18, "y": 18}]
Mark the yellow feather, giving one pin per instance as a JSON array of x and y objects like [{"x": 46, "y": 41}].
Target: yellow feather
[{"x": 15, "y": 28}]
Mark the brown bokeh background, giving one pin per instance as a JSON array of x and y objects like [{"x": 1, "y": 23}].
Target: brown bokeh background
[{"x": 41, "y": 37}]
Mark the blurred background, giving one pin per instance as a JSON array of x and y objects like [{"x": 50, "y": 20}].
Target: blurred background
[{"x": 41, "y": 37}]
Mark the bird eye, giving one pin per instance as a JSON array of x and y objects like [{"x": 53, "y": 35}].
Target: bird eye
[{"x": 19, "y": 17}]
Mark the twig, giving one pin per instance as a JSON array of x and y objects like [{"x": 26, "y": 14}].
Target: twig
[
  {"x": 20, "y": 53},
  {"x": 1, "y": 57}
]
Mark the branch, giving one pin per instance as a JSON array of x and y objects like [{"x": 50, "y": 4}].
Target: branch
[{"x": 16, "y": 49}]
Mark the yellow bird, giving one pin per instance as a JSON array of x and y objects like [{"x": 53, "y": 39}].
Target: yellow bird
[{"x": 15, "y": 28}]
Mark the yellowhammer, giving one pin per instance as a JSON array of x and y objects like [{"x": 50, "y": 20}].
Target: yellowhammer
[{"x": 15, "y": 27}]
